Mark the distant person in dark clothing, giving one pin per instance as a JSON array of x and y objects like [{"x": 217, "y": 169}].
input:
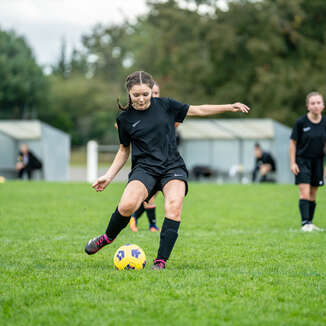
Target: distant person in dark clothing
[
  {"x": 27, "y": 162},
  {"x": 265, "y": 164}
]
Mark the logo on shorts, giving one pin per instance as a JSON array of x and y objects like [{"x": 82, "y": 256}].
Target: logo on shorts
[
  {"x": 306, "y": 129},
  {"x": 178, "y": 175},
  {"x": 136, "y": 123},
  {"x": 321, "y": 182}
]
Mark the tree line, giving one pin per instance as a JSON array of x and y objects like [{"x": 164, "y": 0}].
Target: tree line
[{"x": 268, "y": 54}]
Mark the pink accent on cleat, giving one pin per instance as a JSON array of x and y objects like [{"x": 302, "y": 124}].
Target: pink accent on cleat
[
  {"x": 107, "y": 239},
  {"x": 159, "y": 264}
]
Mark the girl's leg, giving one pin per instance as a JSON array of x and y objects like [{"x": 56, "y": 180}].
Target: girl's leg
[
  {"x": 135, "y": 216},
  {"x": 150, "y": 209},
  {"x": 312, "y": 203},
  {"x": 304, "y": 204},
  {"x": 174, "y": 193},
  {"x": 134, "y": 194}
]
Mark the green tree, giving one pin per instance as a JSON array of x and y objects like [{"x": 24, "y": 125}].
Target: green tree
[
  {"x": 22, "y": 83},
  {"x": 84, "y": 108},
  {"x": 107, "y": 50},
  {"x": 268, "y": 54}
]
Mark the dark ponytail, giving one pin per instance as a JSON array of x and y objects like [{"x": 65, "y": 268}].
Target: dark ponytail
[
  {"x": 124, "y": 108},
  {"x": 136, "y": 78}
]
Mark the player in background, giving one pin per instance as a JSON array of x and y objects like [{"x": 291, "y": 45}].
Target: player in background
[
  {"x": 148, "y": 124},
  {"x": 149, "y": 207},
  {"x": 264, "y": 165},
  {"x": 307, "y": 148}
]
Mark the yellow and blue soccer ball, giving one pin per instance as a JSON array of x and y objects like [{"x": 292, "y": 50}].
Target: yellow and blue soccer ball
[{"x": 129, "y": 256}]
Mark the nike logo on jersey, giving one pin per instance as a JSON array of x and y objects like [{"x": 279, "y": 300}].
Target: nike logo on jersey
[
  {"x": 136, "y": 123},
  {"x": 306, "y": 129}
]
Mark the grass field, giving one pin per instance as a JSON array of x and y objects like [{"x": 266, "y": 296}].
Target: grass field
[{"x": 240, "y": 259}]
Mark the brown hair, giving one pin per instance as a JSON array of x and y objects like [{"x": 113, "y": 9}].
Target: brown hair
[
  {"x": 312, "y": 94},
  {"x": 136, "y": 78}
]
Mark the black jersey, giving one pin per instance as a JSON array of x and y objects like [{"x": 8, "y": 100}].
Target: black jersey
[
  {"x": 310, "y": 137},
  {"x": 151, "y": 133},
  {"x": 266, "y": 158}
]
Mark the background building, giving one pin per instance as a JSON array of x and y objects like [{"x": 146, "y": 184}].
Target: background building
[
  {"x": 50, "y": 145},
  {"x": 227, "y": 146}
]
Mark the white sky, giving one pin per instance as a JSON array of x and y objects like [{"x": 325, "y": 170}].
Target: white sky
[{"x": 44, "y": 23}]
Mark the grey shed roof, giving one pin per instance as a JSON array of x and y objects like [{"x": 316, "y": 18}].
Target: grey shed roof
[
  {"x": 227, "y": 129},
  {"x": 21, "y": 129}
]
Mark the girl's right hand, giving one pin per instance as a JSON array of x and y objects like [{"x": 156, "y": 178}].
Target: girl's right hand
[
  {"x": 101, "y": 183},
  {"x": 295, "y": 169}
]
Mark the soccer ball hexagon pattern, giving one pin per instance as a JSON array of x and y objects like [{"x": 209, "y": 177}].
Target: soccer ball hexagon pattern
[{"x": 129, "y": 256}]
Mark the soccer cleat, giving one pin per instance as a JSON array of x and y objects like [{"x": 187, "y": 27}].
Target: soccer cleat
[
  {"x": 315, "y": 228},
  {"x": 154, "y": 228},
  {"x": 307, "y": 228},
  {"x": 133, "y": 224},
  {"x": 158, "y": 265},
  {"x": 95, "y": 244}
]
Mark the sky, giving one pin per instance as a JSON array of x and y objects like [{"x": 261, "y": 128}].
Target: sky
[{"x": 44, "y": 23}]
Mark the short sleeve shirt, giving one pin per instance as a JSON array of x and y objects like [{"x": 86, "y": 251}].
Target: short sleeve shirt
[
  {"x": 310, "y": 137},
  {"x": 152, "y": 135},
  {"x": 266, "y": 159}
]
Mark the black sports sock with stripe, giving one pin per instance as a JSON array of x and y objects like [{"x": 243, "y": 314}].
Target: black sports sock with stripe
[
  {"x": 304, "y": 211},
  {"x": 312, "y": 206},
  {"x": 139, "y": 212},
  {"x": 117, "y": 223},
  {"x": 168, "y": 237},
  {"x": 151, "y": 215}
]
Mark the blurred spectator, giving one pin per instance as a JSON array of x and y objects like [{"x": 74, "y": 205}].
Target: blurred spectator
[
  {"x": 27, "y": 162},
  {"x": 264, "y": 166}
]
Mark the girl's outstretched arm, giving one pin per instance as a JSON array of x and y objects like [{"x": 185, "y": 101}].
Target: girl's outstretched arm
[{"x": 208, "y": 109}]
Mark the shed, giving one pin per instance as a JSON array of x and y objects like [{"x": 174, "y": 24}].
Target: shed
[
  {"x": 49, "y": 144},
  {"x": 223, "y": 144}
]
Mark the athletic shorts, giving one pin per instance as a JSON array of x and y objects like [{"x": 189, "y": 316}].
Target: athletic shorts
[
  {"x": 155, "y": 182},
  {"x": 311, "y": 171}
]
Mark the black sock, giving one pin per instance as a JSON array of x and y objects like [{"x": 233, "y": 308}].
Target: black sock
[
  {"x": 168, "y": 237},
  {"x": 304, "y": 211},
  {"x": 312, "y": 206},
  {"x": 151, "y": 215},
  {"x": 116, "y": 224},
  {"x": 263, "y": 178},
  {"x": 139, "y": 211}
]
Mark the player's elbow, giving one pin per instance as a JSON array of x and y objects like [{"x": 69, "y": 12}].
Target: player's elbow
[
  {"x": 124, "y": 150},
  {"x": 195, "y": 110}
]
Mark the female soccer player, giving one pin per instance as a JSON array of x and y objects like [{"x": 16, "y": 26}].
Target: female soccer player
[
  {"x": 307, "y": 145},
  {"x": 148, "y": 124},
  {"x": 149, "y": 207}
]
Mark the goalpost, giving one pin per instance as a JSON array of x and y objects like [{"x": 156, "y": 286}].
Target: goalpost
[{"x": 93, "y": 149}]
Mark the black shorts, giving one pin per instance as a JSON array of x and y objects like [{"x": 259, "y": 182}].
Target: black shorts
[
  {"x": 311, "y": 171},
  {"x": 155, "y": 182}
]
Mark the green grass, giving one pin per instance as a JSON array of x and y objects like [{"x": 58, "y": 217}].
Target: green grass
[{"x": 240, "y": 259}]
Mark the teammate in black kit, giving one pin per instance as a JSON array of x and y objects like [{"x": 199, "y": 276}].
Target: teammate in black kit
[
  {"x": 264, "y": 164},
  {"x": 148, "y": 124},
  {"x": 307, "y": 146}
]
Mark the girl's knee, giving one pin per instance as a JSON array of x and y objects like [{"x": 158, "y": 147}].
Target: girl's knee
[
  {"x": 126, "y": 208},
  {"x": 173, "y": 209}
]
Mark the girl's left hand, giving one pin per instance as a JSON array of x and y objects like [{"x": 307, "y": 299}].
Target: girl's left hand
[{"x": 239, "y": 107}]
